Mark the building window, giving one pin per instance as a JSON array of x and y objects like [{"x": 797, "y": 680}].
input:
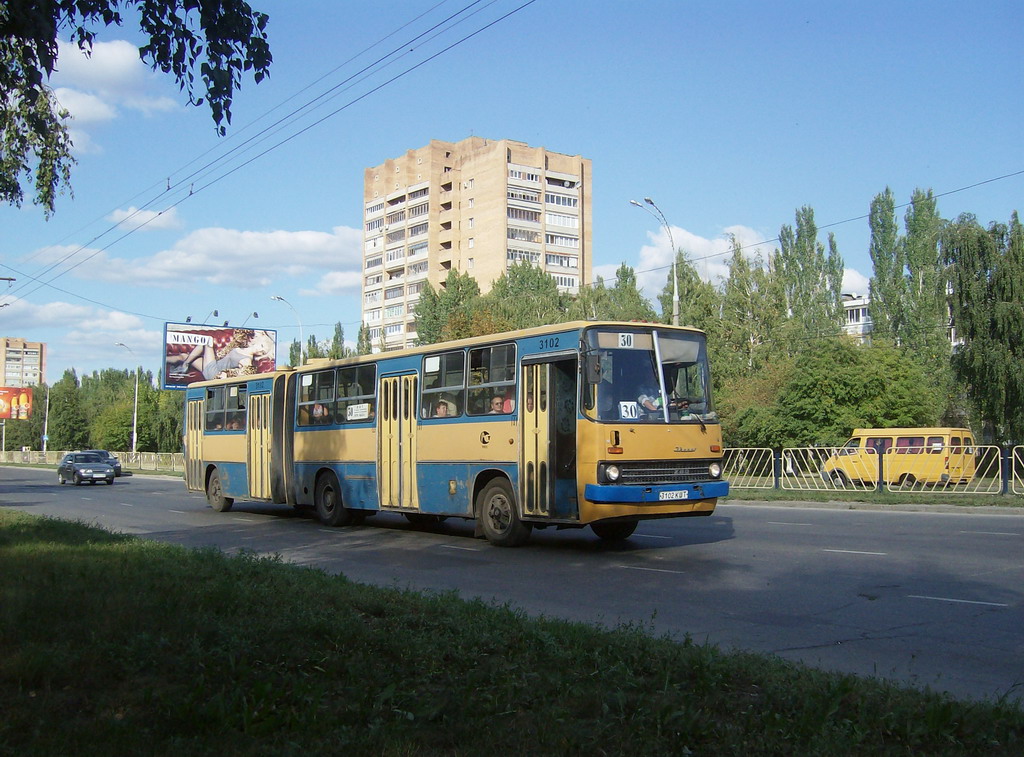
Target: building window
[
  {"x": 558, "y": 219},
  {"x": 570, "y": 282},
  {"x": 376, "y": 208},
  {"x": 561, "y": 200},
  {"x": 472, "y": 244},
  {"x": 375, "y": 224},
  {"x": 373, "y": 280},
  {"x": 393, "y": 293},
  {"x": 526, "y": 195},
  {"x": 519, "y": 214},
  {"x": 514, "y": 255},
  {"x": 373, "y": 316},
  {"x": 373, "y": 262},
  {"x": 419, "y": 210},
  {"x": 523, "y": 235},
  {"x": 562, "y": 240},
  {"x": 370, "y": 298},
  {"x": 420, "y": 228},
  {"x": 419, "y": 193},
  {"x": 395, "y": 236},
  {"x": 563, "y": 261},
  {"x": 417, "y": 249},
  {"x": 398, "y": 215}
]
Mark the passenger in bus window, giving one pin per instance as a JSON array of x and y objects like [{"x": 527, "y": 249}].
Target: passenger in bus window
[
  {"x": 497, "y": 403},
  {"x": 441, "y": 409},
  {"x": 320, "y": 414}
]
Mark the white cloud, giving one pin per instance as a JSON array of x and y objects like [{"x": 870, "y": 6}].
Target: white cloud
[
  {"x": 93, "y": 88},
  {"x": 336, "y": 283},
  {"x": 146, "y": 220},
  {"x": 710, "y": 257},
  {"x": 854, "y": 282},
  {"x": 242, "y": 259}
]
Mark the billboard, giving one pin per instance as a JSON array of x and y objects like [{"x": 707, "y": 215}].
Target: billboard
[
  {"x": 15, "y": 403},
  {"x": 197, "y": 352}
]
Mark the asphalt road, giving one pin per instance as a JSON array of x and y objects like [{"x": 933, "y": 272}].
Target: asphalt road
[{"x": 928, "y": 598}]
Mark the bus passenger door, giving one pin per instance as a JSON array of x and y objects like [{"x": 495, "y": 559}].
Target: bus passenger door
[
  {"x": 396, "y": 461},
  {"x": 257, "y": 433},
  {"x": 547, "y": 462},
  {"x": 194, "y": 419}
]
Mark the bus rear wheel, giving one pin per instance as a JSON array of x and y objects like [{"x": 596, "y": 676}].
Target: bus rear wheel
[
  {"x": 215, "y": 494},
  {"x": 614, "y": 531},
  {"x": 329, "y": 507},
  {"x": 496, "y": 508}
]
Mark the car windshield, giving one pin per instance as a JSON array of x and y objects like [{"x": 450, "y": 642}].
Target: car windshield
[
  {"x": 648, "y": 375},
  {"x": 88, "y": 459}
]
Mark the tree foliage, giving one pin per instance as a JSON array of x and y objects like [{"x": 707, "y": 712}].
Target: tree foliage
[
  {"x": 445, "y": 314},
  {"x": 986, "y": 277},
  {"x": 220, "y": 39},
  {"x": 833, "y": 387}
]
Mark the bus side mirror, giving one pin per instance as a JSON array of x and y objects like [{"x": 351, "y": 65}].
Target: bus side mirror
[{"x": 593, "y": 364}]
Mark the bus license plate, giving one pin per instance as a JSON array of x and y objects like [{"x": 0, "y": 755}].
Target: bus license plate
[{"x": 684, "y": 494}]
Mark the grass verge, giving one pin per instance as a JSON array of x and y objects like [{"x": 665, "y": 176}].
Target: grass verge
[{"x": 114, "y": 645}]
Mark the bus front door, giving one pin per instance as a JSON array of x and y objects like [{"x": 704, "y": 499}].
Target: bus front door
[
  {"x": 396, "y": 455},
  {"x": 547, "y": 462}
]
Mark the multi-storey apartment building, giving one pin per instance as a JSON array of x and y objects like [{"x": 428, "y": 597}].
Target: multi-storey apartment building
[
  {"x": 22, "y": 363},
  {"x": 477, "y": 206}
]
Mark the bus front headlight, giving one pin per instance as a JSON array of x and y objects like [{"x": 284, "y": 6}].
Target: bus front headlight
[
  {"x": 715, "y": 470},
  {"x": 612, "y": 472}
]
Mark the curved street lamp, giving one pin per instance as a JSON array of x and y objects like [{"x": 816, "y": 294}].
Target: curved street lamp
[
  {"x": 302, "y": 346},
  {"x": 135, "y": 410},
  {"x": 675, "y": 253}
]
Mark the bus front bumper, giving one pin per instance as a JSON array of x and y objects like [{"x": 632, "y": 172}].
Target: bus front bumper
[{"x": 614, "y": 494}]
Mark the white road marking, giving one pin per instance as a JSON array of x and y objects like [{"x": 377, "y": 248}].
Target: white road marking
[
  {"x": 991, "y": 533},
  {"x": 125, "y": 504},
  {"x": 464, "y": 549},
  {"x": 855, "y": 552},
  {"x": 959, "y": 601},
  {"x": 179, "y": 512},
  {"x": 783, "y": 523},
  {"x": 653, "y": 570},
  {"x": 244, "y": 520},
  {"x": 651, "y": 536}
]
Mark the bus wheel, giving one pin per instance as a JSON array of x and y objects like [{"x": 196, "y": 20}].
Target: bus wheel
[
  {"x": 329, "y": 508},
  {"x": 215, "y": 494},
  {"x": 496, "y": 508},
  {"x": 907, "y": 481},
  {"x": 614, "y": 531}
]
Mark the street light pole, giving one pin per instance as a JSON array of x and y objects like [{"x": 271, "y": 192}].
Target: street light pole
[
  {"x": 135, "y": 410},
  {"x": 302, "y": 346},
  {"x": 675, "y": 253}
]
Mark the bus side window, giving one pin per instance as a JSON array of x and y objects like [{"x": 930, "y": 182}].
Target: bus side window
[
  {"x": 935, "y": 445},
  {"x": 444, "y": 382}
]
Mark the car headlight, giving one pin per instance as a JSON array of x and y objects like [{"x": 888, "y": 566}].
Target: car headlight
[
  {"x": 715, "y": 470},
  {"x": 87, "y": 470},
  {"x": 612, "y": 472}
]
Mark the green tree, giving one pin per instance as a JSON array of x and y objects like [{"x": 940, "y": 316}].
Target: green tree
[
  {"x": 363, "y": 344},
  {"x": 752, "y": 315},
  {"x": 524, "y": 296},
  {"x": 220, "y": 38},
  {"x": 295, "y": 353},
  {"x": 812, "y": 281},
  {"x": 835, "y": 386},
  {"x": 888, "y": 288},
  {"x": 699, "y": 302},
  {"x": 67, "y": 427},
  {"x": 986, "y": 278},
  {"x": 314, "y": 349},
  {"x": 444, "y": 314},
  {"x": 338, "y": 350}
]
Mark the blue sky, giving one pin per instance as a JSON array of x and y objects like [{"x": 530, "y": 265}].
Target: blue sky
[{"x": 730, "y": 115}]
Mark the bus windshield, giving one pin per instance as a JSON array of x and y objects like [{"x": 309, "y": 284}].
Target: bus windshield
[{"x": 647, "y": 375}]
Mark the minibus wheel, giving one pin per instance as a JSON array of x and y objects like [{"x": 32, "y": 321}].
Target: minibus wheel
[
  {"x": 840, "y": 480},
  {"x": 329, "y": 507},
  {"x": 215, "y": 494},
  {"x": 496, "y": 508}
]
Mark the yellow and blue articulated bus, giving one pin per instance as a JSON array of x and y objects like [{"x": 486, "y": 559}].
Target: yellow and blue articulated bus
[{"x": 599, "y": 424}]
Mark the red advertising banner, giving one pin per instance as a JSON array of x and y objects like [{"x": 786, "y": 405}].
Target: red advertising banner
[
  {"x": 15, "y": 403},
  {"x": 196, "y": 352}
]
